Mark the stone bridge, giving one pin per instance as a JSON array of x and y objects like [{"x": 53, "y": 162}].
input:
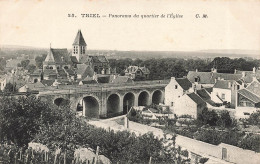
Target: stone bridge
[{"x": 106, "y": 100}]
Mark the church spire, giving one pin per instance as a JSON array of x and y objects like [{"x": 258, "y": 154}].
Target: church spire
[
  {"x": 49, "y": 57},
  {"x": 79, "y": 40},
  {"x": 79, "y": 46}
]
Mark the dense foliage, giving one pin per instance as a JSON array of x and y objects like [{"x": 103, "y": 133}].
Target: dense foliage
[
  {"x": 20, "y": 119},
  {"x": 29, "y": 119},
  {"x": 10, "y": 88},
  {"x": 254, "y": 119},
  {"x": 210, "y": 127},
  {"x": 210, "y": 117},
  {"x": 165, "y": 68}
]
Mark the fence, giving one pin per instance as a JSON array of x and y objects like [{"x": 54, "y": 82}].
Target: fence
[{"x": 12, "y": 155}]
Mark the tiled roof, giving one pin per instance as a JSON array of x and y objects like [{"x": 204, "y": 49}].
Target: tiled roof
[
  {"x": 60, "y": 55},
  {"x": 74, "y": 59},
  {"x": 62, "y": 73},
  {"x": 34, "y": 86},
  {"x": 184, "y": 83},
  {"x": 204, "y": 94},
  {"x": 49, "y": 72},
  {"x": 70, "y": 72},
  {"x": 89, "y": 82},
  {"x": 209, "y": 89},
  {"x": 47, "y": 82},
  {"x": 84, "y": 70},
  {"x": 251, "y": 96},
  {"x": 37, "y": 72},
  {"x": 145, "y": 70},
  {"x": 210, "y": 77},
  {"x": 99, "y": 59},
  {"x": 254, "y": 87},
  {"x": 103, "y": 79},
  {"x": 79, "y": 40},
  {"x": 196, "y": 99},
  {"x": 81, "y": 68},
  {"x": 223, "y": 84},
  {"x": 133, "y": 69}
]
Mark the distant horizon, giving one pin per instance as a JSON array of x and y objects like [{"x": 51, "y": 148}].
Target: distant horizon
[
  {"x": 36, "y": 47},
  {"x": 39, "y": 23}
]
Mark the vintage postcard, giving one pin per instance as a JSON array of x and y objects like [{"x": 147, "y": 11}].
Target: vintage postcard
[{"x": 129, "y": 81}]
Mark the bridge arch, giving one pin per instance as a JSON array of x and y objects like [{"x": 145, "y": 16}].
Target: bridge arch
[
  {"x": 128, "y": 101},
  {"x": 143, "y": 98},
  {"x": 113, "y": 104},
  {"x": 90, "y": 106},
  {"x": 61, "y": 102},
  {"x": 157, "y": 97}
]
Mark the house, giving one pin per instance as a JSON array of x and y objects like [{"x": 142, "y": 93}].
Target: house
[
  {"x": 226, "y": 90},
  {"x": 208, "y": 79},
  {"x": 121, "y": 79},
  {"x": 175, "y": 89},
  {"x": 36, "y": 76},
  {"x": 31, "y": 87},
  {"x": 86, "y": 82},
  {"x": 205, "y": 94},
  {"x": 189, "y": 104},
  {"x": 47, "y": 82},
  {"x": 84, "y": 71},
  {"x": 57, "y": 59},
  {"x": 248, "y": 99},
  {"x": 136, "y": 72}
]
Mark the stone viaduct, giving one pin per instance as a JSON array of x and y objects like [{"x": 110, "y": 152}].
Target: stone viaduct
[{"x": 106, "y": 100}]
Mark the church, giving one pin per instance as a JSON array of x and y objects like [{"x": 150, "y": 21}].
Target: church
[{"x": 77, "y": 65}]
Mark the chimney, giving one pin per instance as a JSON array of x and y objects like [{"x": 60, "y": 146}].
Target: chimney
[
  {"x": 254, "y": 70},
  {"x": 229, "y": 84},
  {"x": 235, "y": 71},
  {"x": 172, "y": 79},
  {"x": 243, "y": 74},
  {"x": 196, "y": 70},
  {"x": 126, "y": 123},
  {"x": 214, "y": 70}
]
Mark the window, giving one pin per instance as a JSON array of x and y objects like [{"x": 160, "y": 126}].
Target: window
[
  {"x": 246, "y": 113},
  {"x": 176, "y": 86},
  {"x": 223, "y": 96},
  {"x": 238, "y": 86},
  {"x": 51, "y": 67},
  {"x": 171, "y": 103},
  {"x": 224, "y": 153},
  {"x": 83, "y": 50},
  {"x": 74, "y": 49}
]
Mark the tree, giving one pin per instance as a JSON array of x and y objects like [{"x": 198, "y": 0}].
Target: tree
[
  {"x": 208, "y": 117},
  {"x": 25, "y": 63},
  {"x": 224, "y": 120},
  {"x": 254, "y": 118},
  {"x": 21, "y": 118},
  {"x": 10, "y": 88},
  {"x": 31, "y": 68}
]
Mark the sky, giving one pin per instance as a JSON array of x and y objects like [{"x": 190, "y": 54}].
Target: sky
[{"x": 230, "y": 24}]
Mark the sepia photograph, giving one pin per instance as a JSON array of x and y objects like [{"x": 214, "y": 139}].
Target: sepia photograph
[{"x": 129, "y": 82}]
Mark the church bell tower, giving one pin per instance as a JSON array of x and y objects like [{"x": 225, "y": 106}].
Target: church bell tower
[{"x": 79, "y": 46}]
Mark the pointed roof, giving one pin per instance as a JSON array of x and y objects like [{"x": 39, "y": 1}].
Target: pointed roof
[
  {"x": 79, "y": 40},
  {"x": 49, "y": 57}
]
